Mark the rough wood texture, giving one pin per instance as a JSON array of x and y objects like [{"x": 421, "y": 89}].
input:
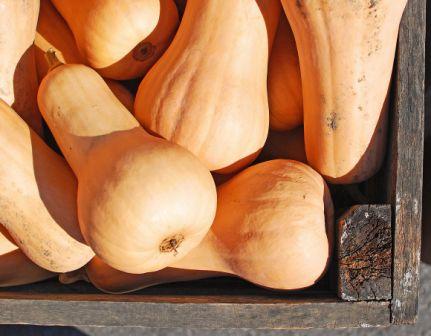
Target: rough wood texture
[
  {"x": 364, "y": 253},
  {"x": 406, "y": 155}
]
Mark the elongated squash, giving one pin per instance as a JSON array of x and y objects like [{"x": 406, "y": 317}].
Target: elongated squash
[
  {"x": 38, "y": 198},
  {"x": 284, "y": 81},
  {"x": 143, "y": 202},
  {"x": 18, "y": 78},
  {"x": 208, "y": 93},
  {"x": 274, "y": 228},
  {"x": 285, "y": 145},
  {"x": 346, "y": 51},
  {"x": 15, "y": 268},
  {"x": 121, "y": 39},
  {"x": 53, "y": 33}
]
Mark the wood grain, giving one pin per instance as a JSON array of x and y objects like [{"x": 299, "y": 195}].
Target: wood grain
[
  {"x": 406, "y": 162},
  {"x": 364, "y": 253}
]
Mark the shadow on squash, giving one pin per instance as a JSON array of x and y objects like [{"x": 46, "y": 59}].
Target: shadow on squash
[
  {"x": 25, "y": 87},
  {"x": 147, "y": 52}
]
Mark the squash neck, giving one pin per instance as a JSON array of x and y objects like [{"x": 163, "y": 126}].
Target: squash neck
[{"x": 207, "y": 256}]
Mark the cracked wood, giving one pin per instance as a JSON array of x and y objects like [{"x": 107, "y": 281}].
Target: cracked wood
[{"x": 364, "y": 253}]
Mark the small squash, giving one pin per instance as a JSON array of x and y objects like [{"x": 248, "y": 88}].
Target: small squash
[
  {"x": 18, "y": 78},
  {"x": 208, "y": 93},
  {"x": 15, "y": 268},
  {"x": 285, "y": 145},
  {"x": 38, "y": 198},
  {"x": 143, "y": 202},
  {"x": 346, "y": 51},
  {"x": 274, "y": 228},
  {"x": 284, "y": 81},
  {"x": 121, "y": 39}
]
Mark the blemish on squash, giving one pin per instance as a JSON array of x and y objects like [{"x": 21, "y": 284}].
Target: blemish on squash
[
  {"x": 332, "y": 121},
  {"x": 171, "y": 244},
  {"x": 144, "y": 51}
]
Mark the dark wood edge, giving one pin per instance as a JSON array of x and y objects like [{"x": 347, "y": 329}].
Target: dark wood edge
[
  {"x": 406, "y": 158},
  {"x": 327, "y": 314},
  {"x": 364, "y": 253}
]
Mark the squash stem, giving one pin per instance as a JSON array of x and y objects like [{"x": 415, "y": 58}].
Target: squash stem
[{"x": 52, "y": 59}]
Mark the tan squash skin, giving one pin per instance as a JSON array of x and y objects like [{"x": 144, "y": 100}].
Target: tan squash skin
[
  {"x": 123, "y": 95},
  {"x": 284, "y": 81},
  {"x": 112, "y": 281},
  {"x": 346, "y": 51},
  {"x": 15, "y": 268},
  {"x": 121, "y": 39},
  {"x": 18, "y": 78},
  {"x": 54, "y": 34},
  {"x": 269, "y": 229},
  {"x": 143, "y": 202},
  {"x": 38, "y": 198},
  {"x": 208, "y": 93},
  {"x": 285, "y": 145}
]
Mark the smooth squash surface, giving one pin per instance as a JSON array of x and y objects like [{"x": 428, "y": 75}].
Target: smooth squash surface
[
  {"x": 284, "y": 81},
  {"x": 38, "y": 198},
  {"x": 18, "y": 78},
  {"x": 208, "y": 93},
  {"x": 346, "y": 51},
  {"x": 143, "y": 202},
  {"x": 15, "y": 268},
  {"x": 274, "y": 228},
  {"x": 121, "y": 39}
]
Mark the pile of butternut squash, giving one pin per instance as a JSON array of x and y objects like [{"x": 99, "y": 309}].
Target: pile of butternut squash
[{"x": 152, "y": 141}]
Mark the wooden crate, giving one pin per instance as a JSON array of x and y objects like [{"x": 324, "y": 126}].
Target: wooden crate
[{"x": 374, "y": 280}]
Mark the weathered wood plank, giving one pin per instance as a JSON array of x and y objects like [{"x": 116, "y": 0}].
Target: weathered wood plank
[
  {"x": 364, "y": 253},
  {"x": 329, "y": 314},
  {"x": 406, "y": 157}
]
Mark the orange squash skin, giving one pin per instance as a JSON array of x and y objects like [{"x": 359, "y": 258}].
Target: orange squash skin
[
  {"x": 121, "y": 39},
  {"x": 285, "y": 145},
  {"x": 274, "y": 228},
  {"x": 53, "y": 33},
  {"x": 18, "y": 78},
  {"x": 284, "y": 81},
  {"x": 143, "y": 202},
  {"x": 208, "y": 93},
  {"x": 346, "y": 51},
  {"x": 15, "y": 268},
  {"x": 38, "y": 198}
]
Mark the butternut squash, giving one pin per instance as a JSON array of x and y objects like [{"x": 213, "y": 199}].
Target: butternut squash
[
  {"x": 285, "y": 145},
  {"x": 15, "y": 268},
  {"x": 274, "y": 228},
  {"x": 208, "y": 93},
  {"x": 143, "y": 202},
  {"x": 18, "y": 78},
  {"x": 346, "y": 52},
  {"x": 121, "y": 39},
  {"x": 54, "y": 34},
  {"x": 122, "y": 94},
  {"x": 38, "y": 198},
  {"x": 284, "y": 81}
]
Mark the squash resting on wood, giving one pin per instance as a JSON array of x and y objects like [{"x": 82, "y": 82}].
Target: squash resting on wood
[
  {"x": 346, "y": 51},
  {"x": 15, "y": 268},
  {"x": 38, "y": 198},
  {"x": 274, "y": 228},
  {"x": 121, "y": 39},
  {"x": 208, "y": 92},
  {"x": 18, "y": 78},
  {"x": 143, "y": 202}
]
